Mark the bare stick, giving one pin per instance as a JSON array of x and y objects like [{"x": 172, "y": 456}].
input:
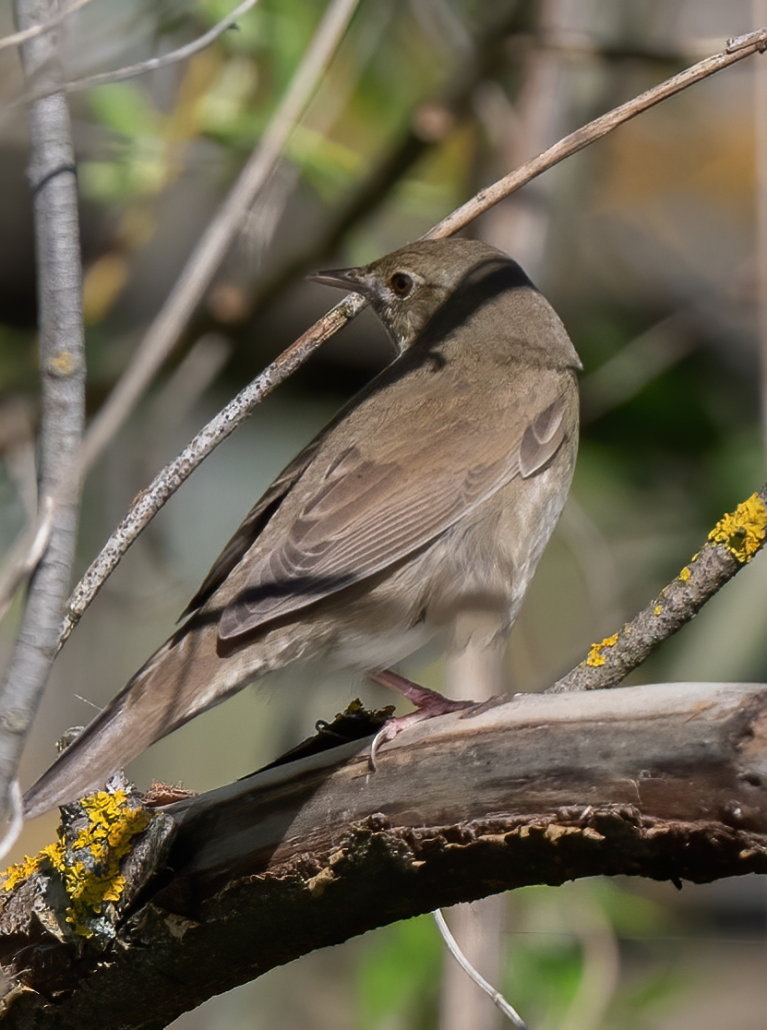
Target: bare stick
[
  {"x": 495, "y": 996},
  {"x": 149, "y": 502},
  {"x": 62, "y": 370},
  {"x": 736, "y": 50},
  {"x": 131, "y": 71},
  {"x": 16, "y": 38}
]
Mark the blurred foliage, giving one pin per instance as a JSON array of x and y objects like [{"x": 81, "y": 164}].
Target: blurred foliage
[
  {"x": 645, "y": 245},
  {"x": 398, "y": 975},
  {"x": 568, "y": 942},
  {"x": 557, "y": 952}
]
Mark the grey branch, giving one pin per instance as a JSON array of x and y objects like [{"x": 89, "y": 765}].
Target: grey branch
[
  {"x": 62, "y": 371},
  {"x": 165, "y": 484}
]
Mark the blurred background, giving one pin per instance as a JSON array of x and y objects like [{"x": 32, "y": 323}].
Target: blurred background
[{"x": 651, "y": 245}]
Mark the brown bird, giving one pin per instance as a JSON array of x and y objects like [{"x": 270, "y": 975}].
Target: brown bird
[{"x": 421, "y": 509}]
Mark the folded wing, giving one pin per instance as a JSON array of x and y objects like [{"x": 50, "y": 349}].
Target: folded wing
[{"x": 364, "y": 516}]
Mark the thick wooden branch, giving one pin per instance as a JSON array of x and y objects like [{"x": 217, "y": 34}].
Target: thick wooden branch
[{"x": 664, "y": 781}]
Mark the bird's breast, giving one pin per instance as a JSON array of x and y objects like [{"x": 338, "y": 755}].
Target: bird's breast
[{"x": 481, "y": 567}]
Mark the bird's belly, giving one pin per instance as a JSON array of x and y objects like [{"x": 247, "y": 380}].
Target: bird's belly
[
  {"x": 486, "y": 563},
  {"x": 385, "y": 648}
]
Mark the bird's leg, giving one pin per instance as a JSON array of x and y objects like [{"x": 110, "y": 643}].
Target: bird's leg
[{"x": 428, "y": 703}]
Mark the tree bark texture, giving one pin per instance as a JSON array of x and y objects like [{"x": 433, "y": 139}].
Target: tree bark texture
[{"x": 665, "y": 781}]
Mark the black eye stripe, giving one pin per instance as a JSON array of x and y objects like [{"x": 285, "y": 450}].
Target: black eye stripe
[{"x": 401, "y": 284}]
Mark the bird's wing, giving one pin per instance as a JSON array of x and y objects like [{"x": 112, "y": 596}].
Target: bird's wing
[
  {"x": 251, "y": 527},
  {"x": 366, "y": 516}
]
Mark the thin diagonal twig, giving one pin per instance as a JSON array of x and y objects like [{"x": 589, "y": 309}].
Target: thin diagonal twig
[
  {"x": 736, "y": 50},
  {"x": 132, "y": 71},
  {"x": 17, "y": 38},
  {"x": 165, "y": 484}
]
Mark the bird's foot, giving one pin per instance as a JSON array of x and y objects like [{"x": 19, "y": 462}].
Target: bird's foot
[{"x": 428, "y": 704}]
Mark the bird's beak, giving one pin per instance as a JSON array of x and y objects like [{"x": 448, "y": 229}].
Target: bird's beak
[{"x": 344, "y": 278}]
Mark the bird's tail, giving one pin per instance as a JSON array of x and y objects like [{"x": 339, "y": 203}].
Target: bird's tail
[{"x": 183, "y": 678}]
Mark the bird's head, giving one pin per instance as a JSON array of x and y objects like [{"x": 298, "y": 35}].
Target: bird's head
[{"x": 407, "y": 287}]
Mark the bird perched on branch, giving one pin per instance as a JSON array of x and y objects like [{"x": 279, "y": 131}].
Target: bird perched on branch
[{"x": 421, "y": 509}]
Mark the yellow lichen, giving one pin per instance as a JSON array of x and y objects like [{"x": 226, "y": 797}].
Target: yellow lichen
[
  {"x": 657, "y": 609},
  {"x": 19, "y": 872},
  {"x": 62, "y": 363},
  {"x": 684, "y": 575},
  {"x": 742, "y": 531},
  {"x": 89, "y": 891},
  {"x": 95, "y": 878},
  {"x": 89, "y": 867},
  {"x": 55, "y": 854},
  {"x": 596, "y": 658},
  {"x": 111, "y": 824}
]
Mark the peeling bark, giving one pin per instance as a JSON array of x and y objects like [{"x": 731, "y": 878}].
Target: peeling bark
[{"x": 664, "y": 781}]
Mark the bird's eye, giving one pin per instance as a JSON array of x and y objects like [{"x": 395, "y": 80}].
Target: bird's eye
[{"x": 401, "y": 284}]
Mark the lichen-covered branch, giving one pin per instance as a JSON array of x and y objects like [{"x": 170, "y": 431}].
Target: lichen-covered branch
[
  {"x": 731, "y": 545},
  {"x": 663, "y": 781}
]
